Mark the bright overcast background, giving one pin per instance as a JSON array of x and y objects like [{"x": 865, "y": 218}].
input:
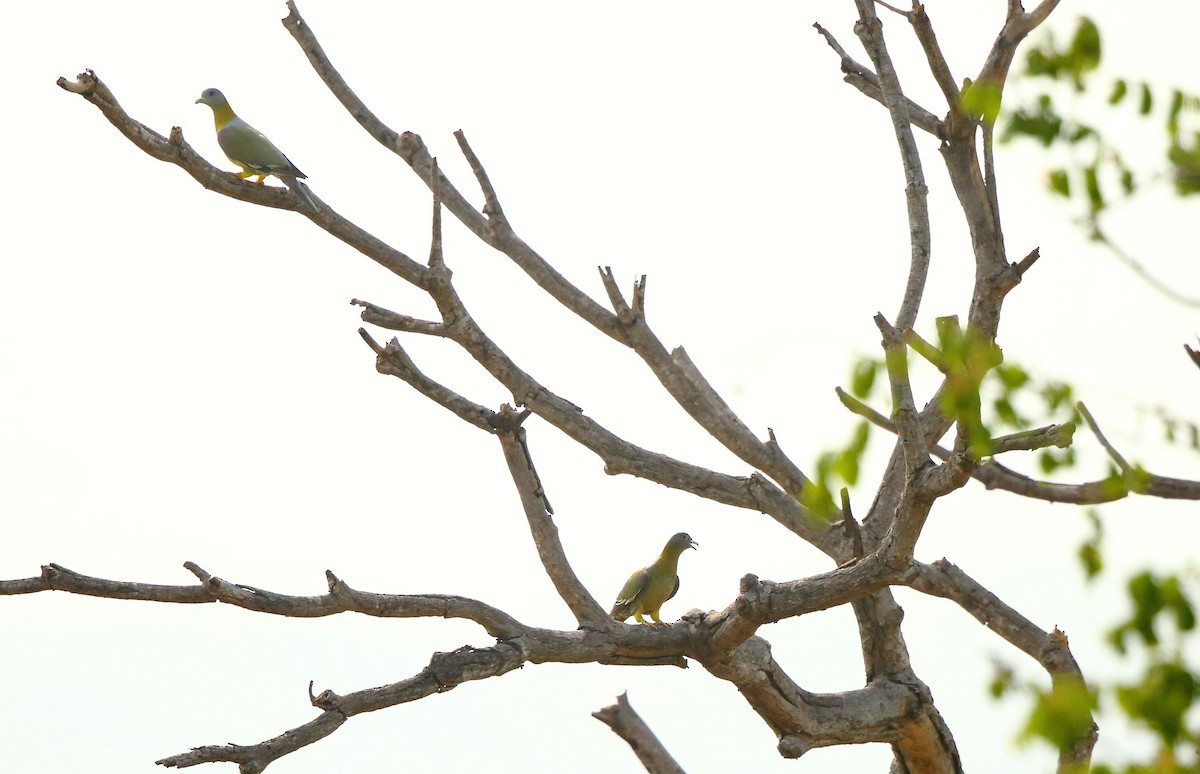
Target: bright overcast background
[{"x": 182, "y": 379}]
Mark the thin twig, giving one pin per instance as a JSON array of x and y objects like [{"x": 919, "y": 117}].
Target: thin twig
[
  {"x": 1167, "y": 289},
  {"x": 870, "y": 32},
  {"x": 862, "y": 78},
  {"x": 1108, "y": 447}
]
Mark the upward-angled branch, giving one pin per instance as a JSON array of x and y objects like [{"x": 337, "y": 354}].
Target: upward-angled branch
[
  {"x": 684, "y": 382},
  {"x": 870, "y": 30},
  {"x": 685, "y": 385},
  {"x": 862, "y": 78},
  {"x": 628, "y": 725},
  {"x": 513, "y": 441},
  {"x": 491, "y": 227},
  {"x": 1050, "y": 649}
]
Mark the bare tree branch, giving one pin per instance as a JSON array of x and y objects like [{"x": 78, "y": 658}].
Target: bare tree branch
[
  {"x": 394, "y": 361},
  {"x": 1194, "y": 354},
  {"x": 384, "y": 318},
  {"x": 893, "y": 706},
  {"x": 176, "y": 151},
  {"x": 254, "y": 758},
  {"x": 684, "y": 382},
  {"x": 493, "y": 231},
  {"x": 588, "y": 613},
  {"x": 870, "y": 32},
  {"x": 628, "y": 725},
  {"x": 933, "y": 54},
  {"x": 862, "y": 78},
  {"x": 1049, "y": 649},
  {"x": 1108, "y": 447},
  {"x": 444, "y": 672},
  {"x": 993, "y": 475}
]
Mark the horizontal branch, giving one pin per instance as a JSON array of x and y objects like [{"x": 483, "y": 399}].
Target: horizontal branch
[
  {"x": 340, "y": 599},
  {"x": 722, "y": 641},
  {"x": 993, "y": 475}
]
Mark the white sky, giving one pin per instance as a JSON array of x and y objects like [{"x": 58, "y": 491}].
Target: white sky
[{"x": 182, "y": 380}]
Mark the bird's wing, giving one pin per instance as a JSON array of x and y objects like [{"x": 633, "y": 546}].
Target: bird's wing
[
  {"x": 634, "y": 586},
  {"x": 250, "y": 148},
  {"x": 675, "y": 590}
]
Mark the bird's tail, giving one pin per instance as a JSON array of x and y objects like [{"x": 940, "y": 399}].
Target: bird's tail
[{"x": 298, "y": 188}]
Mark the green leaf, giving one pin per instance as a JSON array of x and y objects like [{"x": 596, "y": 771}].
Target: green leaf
[
  {"x": 1173, "y": 112},
  {"x": 1060, "y": 183},
  {"x": 1091, "y": 183},
  {"x": 982, "y": 99},
  {"x": 1161, "y": 700},
  {"x": 1127, "y": 184},
  {"x": 1089, "y": 557},
  {"x": 845, "y": 464},
  {"x": 1186, "y": 163},
  {"x": 1011, "y": 376},
  {"x": 1081, "y": 133},
  {"x": 1147, "y": 103},
  {"x": 862, "y": 379},
  {"x": 1042, "y": 124},
  {"x": 1003, "y": 681},
  {"x": 1005, "y": 412},
  {"x": 1175, "y": 600},
  {"x": 1147, "y": 599},
  {"x": 1041, "y": 63},
  {"x": 1119, "y": 90},
  {"x": 1056, "y": 394},
  {"x": 1063, "y": 715},
  {"x": 1089, "y": 551},
  {"x": 1085, "y": 47}
]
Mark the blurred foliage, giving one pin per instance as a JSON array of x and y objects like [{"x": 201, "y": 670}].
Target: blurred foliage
[
  {"x": 1162, "y": 697},
  {"x": 1158, "y": 632},
  {"x": 833, "y": 466},
  {"x": 1061, "y": 715},
  {"x": 1097, "y": 173},
  {"x": 1090, "y": 553},
  {"x": 987, "y": 395}
]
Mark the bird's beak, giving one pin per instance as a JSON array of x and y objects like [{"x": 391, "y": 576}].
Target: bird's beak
[
  {"x": 197, "y": 102},
  {"x": 693, "y": 545}
]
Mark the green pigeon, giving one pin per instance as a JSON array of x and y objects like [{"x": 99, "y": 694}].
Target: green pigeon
[
  {"x": 648, "y": 588},
  {"x": 250, "y": 149}
]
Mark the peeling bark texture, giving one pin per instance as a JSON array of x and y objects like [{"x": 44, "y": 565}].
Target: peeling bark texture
[{"x": 892, "y": 705}]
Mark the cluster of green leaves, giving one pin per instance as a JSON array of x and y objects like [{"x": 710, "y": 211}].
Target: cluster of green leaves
[
  {"x": 1163, "y": 699},
  {"x": 990, "y": 397},
  {"x": 1058, "y": 68},
  {"x": 842, "y": 465},
  {"x": 1165, "y": 696}
]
